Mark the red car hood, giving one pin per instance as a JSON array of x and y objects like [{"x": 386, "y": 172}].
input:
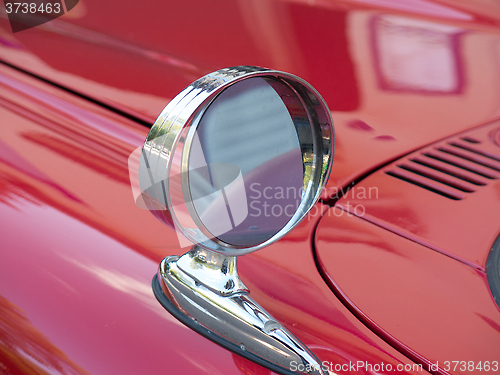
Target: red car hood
[{"x": 397, "y": 77}]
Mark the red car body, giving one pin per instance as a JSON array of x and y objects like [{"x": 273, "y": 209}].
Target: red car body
[{"x": 388, "y": 269}]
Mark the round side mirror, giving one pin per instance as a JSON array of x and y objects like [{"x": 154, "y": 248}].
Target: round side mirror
[
  {"x": 238, "y": 158},
  {"x": 234, "y": 162}
]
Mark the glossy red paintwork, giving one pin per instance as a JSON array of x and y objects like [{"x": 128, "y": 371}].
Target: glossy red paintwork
[
  {"x": 436, "y": 299},
  {"x": 429, "y": 305},
  {"x": 75, "y": 283},
  {"x": 138, "y": 59},
  {"x": 464, "y": 227},
  {"x": 79, "y": 257}
]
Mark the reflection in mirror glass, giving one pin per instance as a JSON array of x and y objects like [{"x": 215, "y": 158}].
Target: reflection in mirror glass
[{"x": 245, "y": 164}]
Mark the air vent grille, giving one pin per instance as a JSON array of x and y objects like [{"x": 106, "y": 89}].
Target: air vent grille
[{"x": 452, "y": 169}]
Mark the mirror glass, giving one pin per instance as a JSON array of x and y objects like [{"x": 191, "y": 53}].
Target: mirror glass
[{"x": 245, "y": 164}]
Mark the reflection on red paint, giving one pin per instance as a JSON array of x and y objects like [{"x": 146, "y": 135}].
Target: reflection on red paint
[
  {"x": 107, "y": 167},
  {"x": 417, "y": 56},
  {"x": 424, "y": 7},
  {"x": 385, "y": 138},
  {"x": 25, "y": 350},
  {"x": 359, "y": 125},
  {"x": 495, "y": 136},
  {"x": 249, "y": 368}
]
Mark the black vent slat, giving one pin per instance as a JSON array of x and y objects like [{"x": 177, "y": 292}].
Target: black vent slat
[
  {"x": 450, "y": 170},
  {"x": 438, "y": 177},
  {"x": 470, "y": 157},
  {"x": 470, "y": 139},
  {"x": 461, "y": 164},
  {"x": 476, "y": 151},
  {"x": 405, "y": 176}
]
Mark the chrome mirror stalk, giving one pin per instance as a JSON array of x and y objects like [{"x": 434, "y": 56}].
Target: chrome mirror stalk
[
  {"x": 214, "y": 271},
  {"x": 203, "y": 290}
]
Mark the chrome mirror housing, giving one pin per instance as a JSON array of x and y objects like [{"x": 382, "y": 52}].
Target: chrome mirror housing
[{"x": 233, "y": 163}]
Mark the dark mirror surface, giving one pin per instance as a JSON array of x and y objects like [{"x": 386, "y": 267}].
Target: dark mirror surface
[{"x": 245, "y": 164}]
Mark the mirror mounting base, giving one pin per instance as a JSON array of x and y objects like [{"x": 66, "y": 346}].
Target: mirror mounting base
[
  {"x": 203, "y": 291},
  {"x": 214, "y": 271}
]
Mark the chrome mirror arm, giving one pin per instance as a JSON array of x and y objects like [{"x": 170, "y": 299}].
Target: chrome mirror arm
[
  {"x": 214, "y": 271},
  {"x": 202, "y": 290}
]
